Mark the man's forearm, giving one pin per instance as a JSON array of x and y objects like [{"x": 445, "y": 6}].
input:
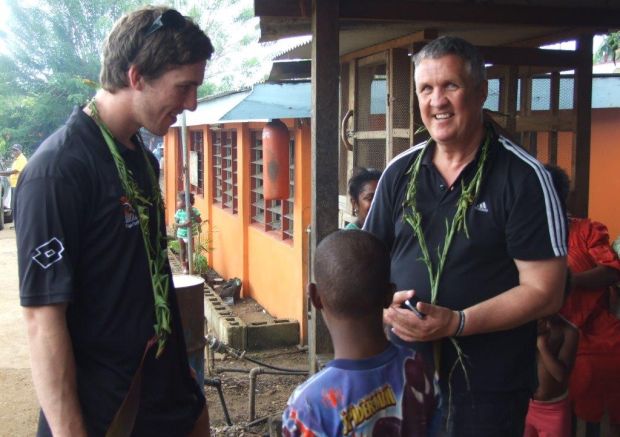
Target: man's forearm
[
  {"x": 539, "y": 294},
  {"x": 53, "y": 369}
]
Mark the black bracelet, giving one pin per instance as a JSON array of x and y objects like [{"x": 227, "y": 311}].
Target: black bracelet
[{"x": 459, "y": 330}]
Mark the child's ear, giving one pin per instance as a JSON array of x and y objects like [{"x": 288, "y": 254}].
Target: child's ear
[
  {"x": 314, "y": 296},
  {"x": 389, "y": 295}
]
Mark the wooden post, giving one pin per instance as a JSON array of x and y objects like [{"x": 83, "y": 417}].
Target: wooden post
[
  {"x": 325, "y": 72},
  {"x": 581, "y": 144},
  {"x": 554, "y": 94}
]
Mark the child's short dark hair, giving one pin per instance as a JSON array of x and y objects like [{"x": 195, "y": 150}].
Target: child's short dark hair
[
  {"x": 361, "y": 176},
  {"x": 352, "y": 272}
]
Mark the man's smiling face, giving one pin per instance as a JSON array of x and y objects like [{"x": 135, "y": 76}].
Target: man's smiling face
[{"x": 450, "y": 101}]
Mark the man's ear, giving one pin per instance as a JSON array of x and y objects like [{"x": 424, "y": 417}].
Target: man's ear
[
  {"x": 314, "y": 296},
  {"x": 389, "y": 295},
  {"x": 136, "y": 80},
  {"x": 484, "y": 91}
]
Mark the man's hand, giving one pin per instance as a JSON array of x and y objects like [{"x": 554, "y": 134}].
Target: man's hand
[{"x": 439, "y": 322}]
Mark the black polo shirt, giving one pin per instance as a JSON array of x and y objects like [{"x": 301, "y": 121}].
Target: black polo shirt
[
  {"x": 79, "y": 242},
  {"x": 517, "y": 215}
]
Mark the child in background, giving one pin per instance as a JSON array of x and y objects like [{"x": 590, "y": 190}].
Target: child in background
[
  {"x": 550, "y": 409},
  {"x": 372, "y": 387},
  {"x": 362, "y": 187},
  {"x": 594, "y": 387},
  {"x": 182, "y": 223},
  {"x": 550, "y": 412}
]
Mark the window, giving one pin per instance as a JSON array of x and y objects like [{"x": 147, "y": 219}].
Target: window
[
  {"x": 225, "y": 169},
  {"x": 288, "y": 205},
  {"x": 196, "y": 161},
  {"x": 272, "y": 215}
]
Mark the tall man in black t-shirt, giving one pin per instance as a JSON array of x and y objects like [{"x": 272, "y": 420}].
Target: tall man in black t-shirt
[
  {"x": 95, "y": 283},
  {"x": 476, "y": 229}
]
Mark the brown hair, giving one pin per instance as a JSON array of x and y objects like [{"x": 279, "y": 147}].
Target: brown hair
[{"x": 133, "y": 41}]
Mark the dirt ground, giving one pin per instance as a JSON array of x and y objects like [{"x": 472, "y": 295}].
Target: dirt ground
[
  {"x": 18, "y": 403},
  {"x": 271, "y": 391}
]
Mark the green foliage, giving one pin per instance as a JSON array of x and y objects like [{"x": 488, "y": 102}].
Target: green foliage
[
  {"x": 245, "y": 15},
  {"x": 203, "y": 246},
  {"x": 201, "y": 265},
  {"x": 173, "y": 245},
  {"x": 52, "y": 56},
  {"x": 609, "y": 48}
]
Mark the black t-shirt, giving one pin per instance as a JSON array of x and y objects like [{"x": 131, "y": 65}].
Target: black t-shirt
[
  {"x": 80, "y": 242},
  {"x": 517, "y": 215}
]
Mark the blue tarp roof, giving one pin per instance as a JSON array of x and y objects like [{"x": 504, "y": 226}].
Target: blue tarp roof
[
  {"x": 266, "y": 101},
  {"x": 263, "y": 102},
  {"x": 210, "y": 110},
  {"x": 269, "y": 100}
]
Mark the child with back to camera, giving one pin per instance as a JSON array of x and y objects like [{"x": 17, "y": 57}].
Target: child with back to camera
[
  {"x": 182, "y": 224},
  {"x": 372, "y": 387},
  {"x": 361, "y": 188}
]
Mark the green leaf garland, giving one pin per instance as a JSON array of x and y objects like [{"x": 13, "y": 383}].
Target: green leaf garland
[
  {"x": 411, "y": 215},
  {"x": 156, "y": 256}
]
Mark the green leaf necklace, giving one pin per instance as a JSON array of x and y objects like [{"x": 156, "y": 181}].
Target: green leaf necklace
[
  {"x": 411, "y": 215},
  {"x": 156, "y": 256}
]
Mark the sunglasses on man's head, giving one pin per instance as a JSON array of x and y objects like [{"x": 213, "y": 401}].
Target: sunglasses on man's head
[{"x": 171, "y": 18}]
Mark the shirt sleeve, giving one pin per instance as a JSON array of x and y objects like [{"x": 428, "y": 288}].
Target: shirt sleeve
[
  {"x": 48, "y": 217},
  {"x": 599, "y": 247},
  {"x": 294, "y": 424},
  {"x": 536, "y": 220},
  {"x": 20, "y": 163}
]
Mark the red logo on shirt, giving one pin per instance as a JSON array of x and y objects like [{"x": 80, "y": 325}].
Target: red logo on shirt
[{"x": 131, "y": 218}]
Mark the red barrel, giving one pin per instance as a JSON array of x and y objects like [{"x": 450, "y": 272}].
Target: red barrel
[{"x": 276, "y": 139}]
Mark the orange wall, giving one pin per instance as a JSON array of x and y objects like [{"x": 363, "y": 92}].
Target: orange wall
[
  {"x": 604, "y": 163},
  {"x": 228, "y": 231},
  {"x": 273, "y": 271},
  {"x": 169, "y": 191},
  {"x": 604, "y": 169},
  {"x": 278, "y": 269}
]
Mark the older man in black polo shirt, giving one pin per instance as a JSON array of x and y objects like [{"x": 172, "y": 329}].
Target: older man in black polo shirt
[{"x": 477, "y": 233}]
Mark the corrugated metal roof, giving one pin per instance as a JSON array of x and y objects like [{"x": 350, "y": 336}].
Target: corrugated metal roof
[
  {"x": 269, "y": 100},
  {"x": 301, "y": 50}
]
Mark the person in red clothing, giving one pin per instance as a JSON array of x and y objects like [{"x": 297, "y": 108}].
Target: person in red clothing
[{"x": 594, "y": 385}]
